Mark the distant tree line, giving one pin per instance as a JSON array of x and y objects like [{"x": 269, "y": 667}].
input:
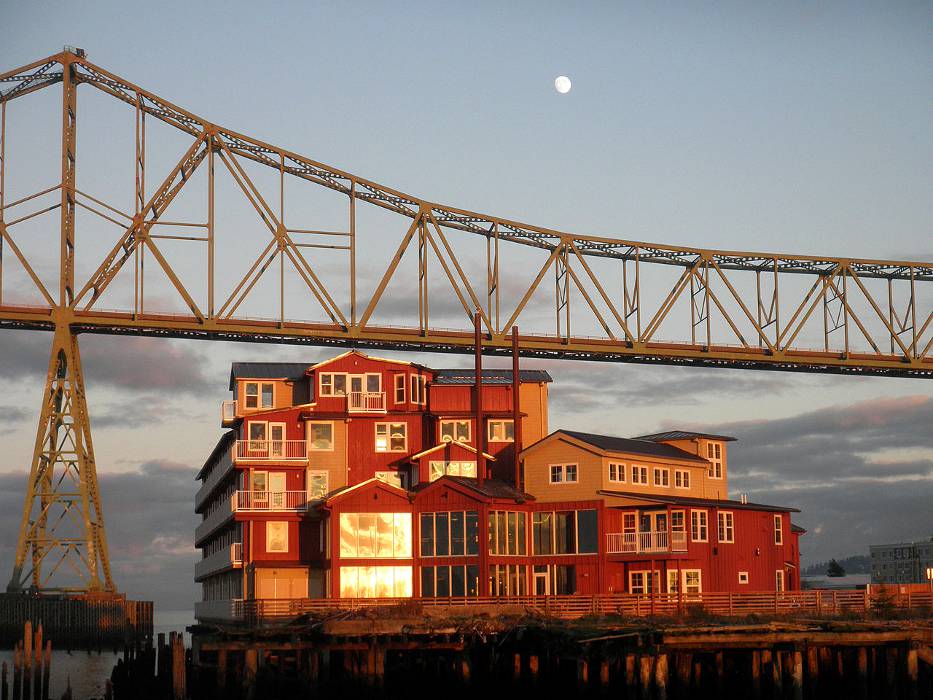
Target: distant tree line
[{"x": 857, "y": 564}]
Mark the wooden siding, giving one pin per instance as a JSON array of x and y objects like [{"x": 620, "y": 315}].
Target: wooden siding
[{"x": 537, "y": 472}]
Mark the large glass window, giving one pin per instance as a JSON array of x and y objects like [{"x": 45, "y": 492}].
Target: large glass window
[
  {"x": 317, "y": 485},
  {"x": 454, "y": 581},
  {"x": 276, "y": 536},
  {"x": 375, "y": 535},
  {"x": 455, "y": 430},
  {"x": 333, "y": 384},
  {"x": 501, "y": 431},
  {"x": 375, "y": 581},
  {"x": 507, "y": 532},
  {"x": 321, "y": 436},
  {"x": 565, "y": 532},
  {"x": 259, "y": 395},
  {"x": 508, "y": 580},
  {"x": 391, "y": 437},
  {"x": 441, "y": 468}
]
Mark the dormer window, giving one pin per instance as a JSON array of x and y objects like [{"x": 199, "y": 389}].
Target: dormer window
[
  {"x": 455, "y": 431},
  {"x": 259, "y": 395}
]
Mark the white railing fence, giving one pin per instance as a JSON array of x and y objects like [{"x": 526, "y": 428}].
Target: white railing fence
[
  {"x": 365, "y": 401},
  {"x": 253, "y": 501},
  {"x": 289, "y": 450}
]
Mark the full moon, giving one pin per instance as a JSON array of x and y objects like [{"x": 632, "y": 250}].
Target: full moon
[{"x": 562, "y": 84}]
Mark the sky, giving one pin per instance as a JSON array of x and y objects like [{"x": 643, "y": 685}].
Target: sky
[{"x": 791, "y": 127}]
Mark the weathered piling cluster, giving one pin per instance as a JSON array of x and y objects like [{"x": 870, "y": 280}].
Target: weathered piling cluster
[
  {"x": 153, "y": 673},
  {"x": 78, "y": 622},
  {"x": 422, "y": 657},
  {"x": 32, "y": 662}
]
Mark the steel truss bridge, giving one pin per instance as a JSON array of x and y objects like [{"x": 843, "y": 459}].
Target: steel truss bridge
[{"x": 575, "y": 296}]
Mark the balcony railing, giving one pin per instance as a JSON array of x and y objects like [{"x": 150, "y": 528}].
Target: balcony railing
[
  {"x": 270, "y": 501},
  {"x": 645, "y": 542},
  {"x": 213, "y": 521},
  {"x": 221, "y": 470},
  {"x": 270, "y": 450},
  {"x": 366, "y": 402},
  {"x": 227, "y": 558},
  {"x": 227, "y": 413}
]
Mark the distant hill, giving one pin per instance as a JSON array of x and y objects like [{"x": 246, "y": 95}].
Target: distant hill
[{"x": 857, "y": 564}]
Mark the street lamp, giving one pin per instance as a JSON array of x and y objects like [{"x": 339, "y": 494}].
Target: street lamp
[{"x": 930, "y": 578}]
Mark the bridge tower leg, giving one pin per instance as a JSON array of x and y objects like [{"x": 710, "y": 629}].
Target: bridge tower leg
[{"x": 62, "y": 528}]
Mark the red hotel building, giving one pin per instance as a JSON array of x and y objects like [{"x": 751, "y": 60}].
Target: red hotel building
[{"x": 357, "y": 477}]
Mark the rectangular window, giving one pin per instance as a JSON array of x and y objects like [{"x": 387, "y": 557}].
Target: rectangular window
[
  {"x": 257, "y": 435},
  {"x": 673, "y": 579},
  {"x": 375, "y": 581},
  {"x": 455, "y": 430},
  {"x": 565, "y": 532},
  {"x": 375, "y": 535},
  {"x": 259, "y": 395},
  {"x": 587, "y": 532},
  {"x": 641, "y": 582},
  {"x": 500, "y": 431},
  {"x": 698, "y": 526},
  {"x": 779, "y": 580},
  {"x": 333, "y": 384},
  {"x": 639, "y": 475},
  {"x": 563, "y": 473},
  {"x": 317, "y": 485},
  {"x": 391, "y": 437},
  {"x": 778, "y": 530},
  {"x": 726, "y": 528},
  {"x": 616, "y": 472},
  {"x": 321, "y": 436},
  {"x": 276, "y": 536},
  {"x": 418, "y": 393},
  {"x": 662, "y": 477},
  {"x": 681, "y": 479},
  {"x": 714, "y": 456},
  {"x": 454, "y": 581},
  {"x": 374, "y": 383},
  {"x": 692, "y": 581},
  {"x": 454, "y": 533},
  {"x": 393, "y": 478},
  {"x": 507, "y": 533},
  {"x": 508, "y": 580},
  {"x": 399, "y": 388},
  {"x": 677, "y": 521},
  {"x": 441, "y": 468},
  {"x": 743, "y": 577}
]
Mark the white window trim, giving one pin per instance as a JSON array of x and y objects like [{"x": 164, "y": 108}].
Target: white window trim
[
  {"x": 389, "y": 425},
  {"x": 310, "y": 442},
  {"x": 647, "y": 574},
  {"x": 684, "y": 514},
  {"x": 563, "y": 473},
  {"x": 400, "y": 385},
  {"x": 504, "y": 422},
  {"x": 743, "y": 578},
  {"x": 720, "y": 521},
  {"x": 779, "y": 576},
  {"x": 636, "y": 469},
  {"x": 320, "y": 381},
  {"x": 706, "y": 523},
  {"x": 662, "y": 471},
  {"x": 317, "y": 472},
  {"x": 265, "y": 431},
  {"x": 682, "y": 473},
  {"x": 778, "y": 530},
  {"x": 277, "y": 551},
  {"x": 259, "y": 386},
  {"x": 620, "y": 472},
  {"x": 469, "y": 425},
  {"x": 423, "y": 393},
  {"x": 683, "y": 580}
]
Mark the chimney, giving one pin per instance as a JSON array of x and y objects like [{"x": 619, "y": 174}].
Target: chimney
[{"x": 478, "y": 393}]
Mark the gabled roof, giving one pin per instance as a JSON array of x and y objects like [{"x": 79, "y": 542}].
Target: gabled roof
[
  {"x": 267, "y": 370},
  {"x": 703, "y": 502},
  {"x": 797, "y": 530},
  {"x": 377, "y": 483},
  {"x": 225, "y": 440},
  {"x": 342, "y": 355},
  {"x": 638, "y": 446},
  {"x": 490, "y": 376},
  {"x": 489, "y": 488},
  {"x": 684, "y": 435},
  {"x": 445, "y": 443}
]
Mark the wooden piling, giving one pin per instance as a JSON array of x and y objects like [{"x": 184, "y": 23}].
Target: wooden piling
[
  {"x": 660, "y": 676},
  {"x": 18, "y": 671},
  {"x": 777, "y": 675},
  {"x": 533, "y": 667},
  {"x": 604, "y": 674},
  {"x": 720, "y": 674},
  {"x": 797, "y": 674},
  {"x": 756, "y": 674},
  {"x": 629, "y": 673},
  {"x": 890, "y": 673},
  {"x": 684, "y": 664},
  {"x": 863, "y": 680},
  {"x": 251, "y": 667},
  {"x": 46, "y": 670},
  {"x": 27, "y": 660},
  {"x": 813, "y": 670},
  {"x": 178, "y": 666},
  {"x": 463, "y": 662},
  {"x": 517, "y": 667},
  {"x": 222, "y": 670},
  {"x": 644, "y": 674},
  {"x": 583, "y": 673},
  {"x": 912, "y": 673}
]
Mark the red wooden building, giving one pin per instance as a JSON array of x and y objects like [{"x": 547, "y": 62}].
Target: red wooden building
[{"x": 366, "y": 477}]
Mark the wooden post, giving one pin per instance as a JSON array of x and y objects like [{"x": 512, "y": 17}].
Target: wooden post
[
  {"x": 644, "y": 672},
  {"x": 465, "y": 671},
  {"x": 629, "y": 673},
  {"x": 863, "y": 682},
  {"x": 813, "y": 670},
  {"x": 797, "y": 674},
  {"x": 684, "y": 663},
  {"x": 46, "y": 669},
  {"x": 777, "y": 675},
  {"x": 890, "y": 672},
  {"x": 178, "y": 666},
  {"x": 517, "y": 667},
  {"x": 756, "y": 674},
  {"x": 660, "y": 676},
  {"x": 17, "y": 672},
  {"x": 27, "y": 660},
  {"x": 251, "y": 666},
  {"x": 912, "y": 672},
  {"x": 222, "y": 670},
  {"x": 583, "y": 674},
  {"x": 379, "y": 670},
  {"x": 533, "y": 667},
  {"x": 604, "y": 674},
  {"x": 720, "y": 674},
  {"x": 697, "y": 673}
]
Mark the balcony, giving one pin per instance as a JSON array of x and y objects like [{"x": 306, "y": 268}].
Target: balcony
[
  {"x": 645, "y": 542},
  {"x": 271, "y": 501},
  {"x": 227, "y": 413},
  {"x": 220, "y": 471},
  {"x": 270, "y": 451},
  {"x": 227, "y": 558},
  {"x": 213, "y": 521},
  {"x": 366, "y": 402}
]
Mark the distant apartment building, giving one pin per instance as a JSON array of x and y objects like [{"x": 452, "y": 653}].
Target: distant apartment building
[
  {"x": 905, "y": 562},
  {"x": 359, "y": 477}
]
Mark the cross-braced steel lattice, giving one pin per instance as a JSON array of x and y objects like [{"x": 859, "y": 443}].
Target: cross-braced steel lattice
[{"x": 613, "y": 299}]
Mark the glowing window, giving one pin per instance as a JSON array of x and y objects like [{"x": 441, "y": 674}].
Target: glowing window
[
  {"x": 375, "y": 582},
  {"x": 375, "y": 535}
]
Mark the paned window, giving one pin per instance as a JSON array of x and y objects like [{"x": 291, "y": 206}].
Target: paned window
[
  {"x": 726, "y": 527},
  {"x": 778, "y": 530},
  {"x": 399, "y": 388},
  {"x": 391, "y": 437},
  {"x": 779, "y": 580},
  {"x": 500, "y": 431},
  {"x": 639, "y": 475},
  {"x": 508, "y": 580},
  {"x": 375, "y": 581},
  {"x": 321, "y": 436},
  {"x": 450, "y": 534},
  {"x": 441, "y": 468},
  {"x": 563, "y": 473},
  {"x": 450, "y": 581},
  {"x": 507, "y": 532},
  {"x": 565, "y": 532},
  {"x": 692, "y": 581},
  {"x": 317, "y": 485},
  {"x": 333, "y": 384},
  {"x": 681, "y": 479},
  {"x": 276, "y": 536},
  {"x": 393, "y": 478},
  {"x": 375, "y": 535},
  {"x": 418, "y": 394},
  {"x": 616, "y": 472},
  {"x": 641, "y": 582},
  {"x": 259, "y": 395},
  {"x": 662, "y": 477},
  {"x": 698, "y": 526},
  {"x": 677, "y": 521},
  {"x": 714, "y": 455},
  {"x": 455, "y": 430}
]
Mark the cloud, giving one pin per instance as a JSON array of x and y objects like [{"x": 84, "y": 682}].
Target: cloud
[
  {"x": 11, "y": 417},
  {"x": 150, "y": 522},
  {"x": 861, "y": 473},
  {"x": 127, "y": 363}
]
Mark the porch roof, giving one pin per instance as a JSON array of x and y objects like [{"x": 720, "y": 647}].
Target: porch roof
[{"x": 697, "y": 502}]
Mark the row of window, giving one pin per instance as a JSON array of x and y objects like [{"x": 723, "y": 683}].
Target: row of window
[
  {"x": 343, "y": 383},
  {"x": 639, "y": 475},
  {"x": 699, "y": 525}
]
